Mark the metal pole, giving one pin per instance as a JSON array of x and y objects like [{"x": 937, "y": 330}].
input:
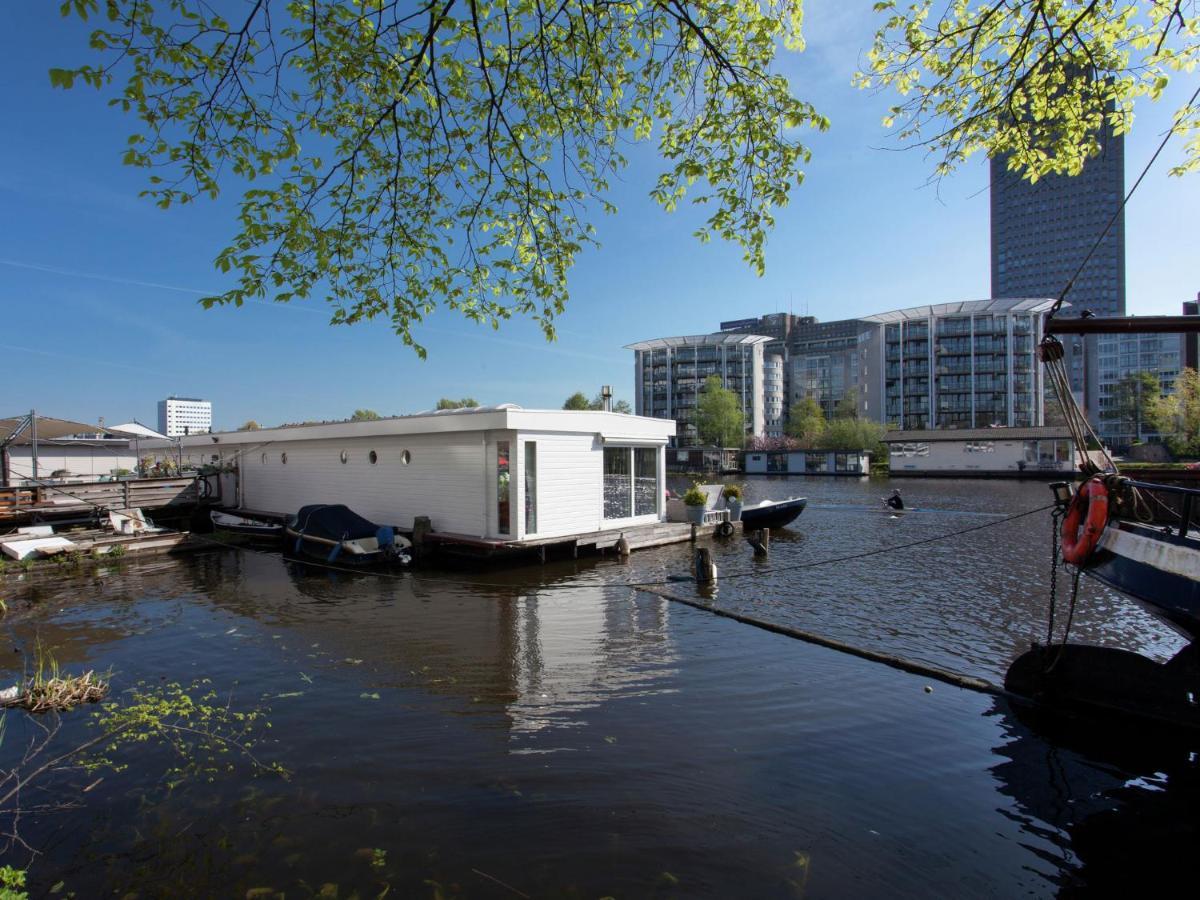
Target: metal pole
[{"x": 33, "y": 437}]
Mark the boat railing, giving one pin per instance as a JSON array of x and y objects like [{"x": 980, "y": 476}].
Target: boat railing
[{"x": 1185, "y": 497}]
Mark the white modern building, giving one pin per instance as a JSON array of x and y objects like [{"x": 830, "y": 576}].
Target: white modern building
[
  {"x": 179, "y": 416},
  {"x": 499, "y": 473},
  {"x": 971, "y": 364},
  {"x": 670, "y": 372}
]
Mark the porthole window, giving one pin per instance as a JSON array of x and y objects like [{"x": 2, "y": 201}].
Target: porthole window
[
  {"x": 283, "y": 458},
  {"x": 264, "y": 459},
  {"x": 343, "y": 456},
  {"x": 405, "y": 457},
  {"x": 373, "y": 457}
]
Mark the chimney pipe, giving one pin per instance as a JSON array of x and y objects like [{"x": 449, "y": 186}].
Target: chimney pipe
[{"x": 606, "y": 397}]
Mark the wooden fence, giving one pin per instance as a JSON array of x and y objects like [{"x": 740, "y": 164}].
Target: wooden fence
[{"x": 144, "y": 493}]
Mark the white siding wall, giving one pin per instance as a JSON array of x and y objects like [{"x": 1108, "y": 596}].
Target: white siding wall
[
  {"x": 442, "y": 481},
  {"x": 80, "y": 461},
  {"x": 570, "y": 471}
]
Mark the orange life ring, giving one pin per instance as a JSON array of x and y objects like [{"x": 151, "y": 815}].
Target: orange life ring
[{"x": 1077, "y": 546}]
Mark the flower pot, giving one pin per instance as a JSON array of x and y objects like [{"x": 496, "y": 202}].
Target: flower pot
[
  {"x": 695, "y": 515},
  {"x": 735, "y": 510}
]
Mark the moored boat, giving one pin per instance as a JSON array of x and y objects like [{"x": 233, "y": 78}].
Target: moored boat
[
  {"x": 772, "y": 513},
  {"x": 335, "y": 533},
  {"x": 1158, "y": 565},
  {"x": 246, "y": 526}
]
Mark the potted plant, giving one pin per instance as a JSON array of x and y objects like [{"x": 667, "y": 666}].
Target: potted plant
[
  {"x": 695, "y": 500},
  {"x": 733, "y": 500}
]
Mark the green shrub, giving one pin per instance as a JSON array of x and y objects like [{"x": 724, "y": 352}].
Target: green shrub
[{"x": 694, "y": 496}]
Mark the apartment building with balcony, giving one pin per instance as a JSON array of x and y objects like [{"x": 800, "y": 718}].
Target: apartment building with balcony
[
  {"x": 1118, "y": 357},
  {"x": 669, "y": 373},
  {"x": 828, "y": 361},
  {"x": 970, "y": 364}
]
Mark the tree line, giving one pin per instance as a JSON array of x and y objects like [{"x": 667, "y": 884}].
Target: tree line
[{"x": 1138, "y": 405}]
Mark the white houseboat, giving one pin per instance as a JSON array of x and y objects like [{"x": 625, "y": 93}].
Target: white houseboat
[
  {"x": 1041, "y": 451},
  {"x": 498, "y": 474},
  {"x": 808, "y": 462}
]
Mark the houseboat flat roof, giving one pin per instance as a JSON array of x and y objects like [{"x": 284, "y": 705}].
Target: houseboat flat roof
[
  {"x": 1045, "y": 432},
  {"x": 505, "y": 417}
]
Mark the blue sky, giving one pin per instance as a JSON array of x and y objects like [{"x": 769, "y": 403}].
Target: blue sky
[{"x": 99, "y": 289}]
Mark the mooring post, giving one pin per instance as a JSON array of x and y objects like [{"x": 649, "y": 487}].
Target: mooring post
[
  {"x": 761, "y": 542},
  {"x": 422, "y": 526},
  {"x": 706, "y": 569},
  {"x": 695, "y": 527},
  {"x": 622, "y": 545}
]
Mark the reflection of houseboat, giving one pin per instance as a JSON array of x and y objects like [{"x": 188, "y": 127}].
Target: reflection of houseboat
[
  {"x": 990, "y": 452},
  {"x": 499, "y": 475}
]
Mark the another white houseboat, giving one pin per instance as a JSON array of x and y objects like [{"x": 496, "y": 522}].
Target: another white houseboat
[{"x": 498, "y": 474}]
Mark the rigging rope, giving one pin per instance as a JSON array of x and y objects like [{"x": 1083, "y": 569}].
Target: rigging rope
[{"x": 1179, "y": 120}]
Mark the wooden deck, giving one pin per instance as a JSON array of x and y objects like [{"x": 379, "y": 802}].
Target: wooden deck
[{"x": 638, "y": 537}]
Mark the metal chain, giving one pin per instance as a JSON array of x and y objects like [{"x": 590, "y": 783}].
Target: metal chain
[
  {"x": 1070, "y": 618},
  {"x": 1055, "y": 528}
]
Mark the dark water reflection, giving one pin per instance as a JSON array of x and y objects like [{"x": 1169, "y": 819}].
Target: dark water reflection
[{"x": 540, "y": 730}]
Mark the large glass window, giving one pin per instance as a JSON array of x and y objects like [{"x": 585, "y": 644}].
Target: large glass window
[
  {"x": 502, "y": 479},
  {"x": 645, "y": 483},
  {"x": 530, "y": 487},
  {"x": 618, "y": 493}
]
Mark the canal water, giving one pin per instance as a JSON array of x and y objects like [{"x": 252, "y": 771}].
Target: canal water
[{"x": 545, "y": 731}]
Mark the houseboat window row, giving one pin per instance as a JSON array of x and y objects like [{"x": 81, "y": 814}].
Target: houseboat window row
[
  {"x": 904, "y": 450},
  {"x": 502, "y": 481},
  {"x": 344, "y": 456},
  {"x": 618, "y": 493},
  {"x": 979, "y": 447},
  {"x": 531, "y": 487},
  {"x": 1047, "y": 453},
  {"x": 645, "y": 481},
  {"x": 631, "y": 486}
]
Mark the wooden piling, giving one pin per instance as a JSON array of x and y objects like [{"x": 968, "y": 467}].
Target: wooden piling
[
  {"x": 422, "y": 526},
  {"x": 706, "y": 569}
]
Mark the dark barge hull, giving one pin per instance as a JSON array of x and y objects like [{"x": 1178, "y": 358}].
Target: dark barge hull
[{"x": 1156, "y": 570}]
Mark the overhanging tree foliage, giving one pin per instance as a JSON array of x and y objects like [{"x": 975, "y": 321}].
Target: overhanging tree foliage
[
  {"x": 1032, "y": 81},
  {"x": 398, "y": 156}
]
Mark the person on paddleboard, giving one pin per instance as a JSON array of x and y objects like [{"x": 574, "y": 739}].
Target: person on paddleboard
[{"x": 895, "y": 501}]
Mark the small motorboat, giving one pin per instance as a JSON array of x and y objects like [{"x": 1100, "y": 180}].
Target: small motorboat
[
  {"x": 772, "y": 513},
  {"x": 245, "y": 525},
  {"x": 335, "y": 533}
]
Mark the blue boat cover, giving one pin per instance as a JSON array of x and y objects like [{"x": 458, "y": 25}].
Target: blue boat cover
[{"x": 334, "y": 522}]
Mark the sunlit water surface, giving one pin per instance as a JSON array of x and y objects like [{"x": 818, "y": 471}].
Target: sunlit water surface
[{"x": 543, "y": 731}]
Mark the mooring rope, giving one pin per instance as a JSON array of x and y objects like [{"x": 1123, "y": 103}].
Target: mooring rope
[{"x": 913, "y": 667}]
